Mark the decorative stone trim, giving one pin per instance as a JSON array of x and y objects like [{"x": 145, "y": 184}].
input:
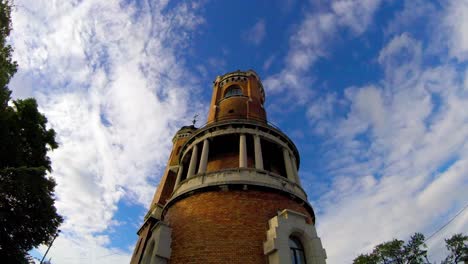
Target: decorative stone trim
[
  {"x": 291, "y": 223},
  {"x": 248, "y": 176},
  {"x": 157, "y": 212},
  {"x": 158, "y": 250}
]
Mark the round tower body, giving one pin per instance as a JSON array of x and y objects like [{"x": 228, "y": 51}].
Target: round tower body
[
  {"x": 231, "y": 193},
  {"x": 225, "y": 226}
]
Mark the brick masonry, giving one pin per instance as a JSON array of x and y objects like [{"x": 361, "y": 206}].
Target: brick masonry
[{"x": 224, "y": 226}]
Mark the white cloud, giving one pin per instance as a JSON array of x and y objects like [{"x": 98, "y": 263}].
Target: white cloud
[
  {"x": 107, "y": 77},
  {"x": 413, "y": 13},
  {"x": 309, "y": 42},
  {"x": 312, "y": 40},
  {"x": 466, "y": 80},
  {"x": 84, "y": 250},
  {"x": 401, "y": 59},
  {"x": 455, "y": 22},
  {"x": 256, "y": 33},
  {"x": 268, "y": 62},
  {"x": 368, "y": 105},
  {"x": 402, "y": 161},
  {"x": 322, "y": 108},
  {"x": 355, "y": 14}
]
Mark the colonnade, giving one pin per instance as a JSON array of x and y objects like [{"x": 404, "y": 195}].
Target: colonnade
[{"x": 289, "y": 159}]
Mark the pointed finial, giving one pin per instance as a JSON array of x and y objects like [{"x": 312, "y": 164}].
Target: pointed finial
[{"x": 194, "y": 121}]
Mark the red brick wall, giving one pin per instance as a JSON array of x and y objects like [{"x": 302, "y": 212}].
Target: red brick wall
[
  {"x": 224, "y": 226},
  {"x": 234, "y": 107},
  {"x": 256, "y": 111},
  {"x": 223, "y": 161}
]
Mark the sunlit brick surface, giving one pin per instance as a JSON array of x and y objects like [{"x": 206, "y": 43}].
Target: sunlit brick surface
[{"x": 224, "y": 226}]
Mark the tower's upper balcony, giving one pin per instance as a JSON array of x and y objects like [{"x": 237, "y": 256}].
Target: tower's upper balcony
[
  {"x": 237, "y": 146},
  {"x": 237, "y": 95}
]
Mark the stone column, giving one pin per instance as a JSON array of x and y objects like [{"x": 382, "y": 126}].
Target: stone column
[
  {"x": 258, "y": 153},
  {"x": 204, "y": 156},
  {"x": 193, "y": 162},
  {"x": 288, "y": 166},
  {"x": 294, "y": 167},
  {"x": 242, "y": 152},
  {"x": 179, "y": 176}
]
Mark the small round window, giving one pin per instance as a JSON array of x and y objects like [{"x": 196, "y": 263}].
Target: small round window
[{"x": 233, "y": 90}]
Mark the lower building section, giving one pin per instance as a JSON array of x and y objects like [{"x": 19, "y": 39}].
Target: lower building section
[{"x": 232, "y": 226}]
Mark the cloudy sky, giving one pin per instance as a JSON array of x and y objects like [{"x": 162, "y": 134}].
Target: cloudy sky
[{"x": 373, "y": 93}]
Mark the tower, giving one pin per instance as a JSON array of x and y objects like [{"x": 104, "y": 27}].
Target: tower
[{"x": 231, "y": 191}]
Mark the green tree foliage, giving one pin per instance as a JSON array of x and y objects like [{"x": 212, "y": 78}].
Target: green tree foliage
[
  {"x": 457, "y": 245},
  {"x": 396, "y": 251},
  {"x": 7, "y": 65},
  {"x": 413, "y": 252},
  {"x": 28, "y": 216}
]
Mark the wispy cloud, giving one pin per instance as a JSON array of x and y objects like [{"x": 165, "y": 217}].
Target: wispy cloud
[
  {"x": 414, "y": 13},
  {"x": 311, "y": 40},
  {"x": 455, "y": 22},
  {"x": 108, "y": 79},
  {"x": 268, "y": 62},
  {"x": 402, "y": 160},
  {"x": 256, "y": 33},
  {"x": 395, "y": 149}
]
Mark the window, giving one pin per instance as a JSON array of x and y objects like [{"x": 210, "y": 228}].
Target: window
[
  {"x": 297, "y": 251},
  {"x": 148, "y": 253},
  {"x": 159, "y": 249},
  {"x": 233, "y": 90},
  {"x": 291, "y": 238}
]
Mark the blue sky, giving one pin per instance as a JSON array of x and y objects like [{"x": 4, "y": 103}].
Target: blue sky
[{"x": 373, "y": 93}]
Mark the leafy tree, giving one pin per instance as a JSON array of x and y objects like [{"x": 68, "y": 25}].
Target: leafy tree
[
  {"x": 413, "y": 252},
  {"x": 28, "y": 217},
  {"x": 396, "y": 251},
  {"x": 458, "y": 248},
  {"x": 414, "y": 249},
  {"x": 7, "y": 65}
]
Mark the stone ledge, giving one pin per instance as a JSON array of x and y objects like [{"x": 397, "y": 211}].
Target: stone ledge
[{"x": 247, "y": 176}]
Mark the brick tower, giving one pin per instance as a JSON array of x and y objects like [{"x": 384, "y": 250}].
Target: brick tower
[{"x": 231, "y": 191}]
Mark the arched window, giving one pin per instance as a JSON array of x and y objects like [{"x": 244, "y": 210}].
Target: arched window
[
  {"x": 233, "y": 90},
  {"x": 148, "y": 253},
  {"x": 297, "y": 251},
  {"x": 289, "y": 231}
]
